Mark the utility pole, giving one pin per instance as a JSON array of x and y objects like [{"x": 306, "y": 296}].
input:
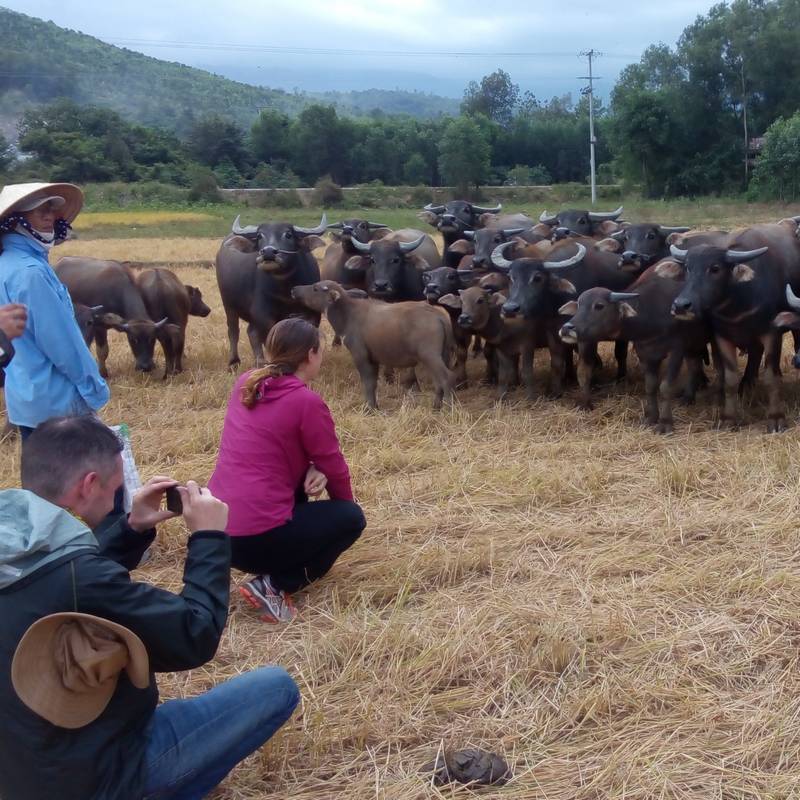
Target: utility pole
[{"x": 590, "y": 54}]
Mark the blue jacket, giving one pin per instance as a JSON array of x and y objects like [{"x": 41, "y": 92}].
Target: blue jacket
[{"x": 53, "y": 372}]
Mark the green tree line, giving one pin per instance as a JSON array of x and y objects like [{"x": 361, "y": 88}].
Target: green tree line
[{"x": 679, "y": 122}]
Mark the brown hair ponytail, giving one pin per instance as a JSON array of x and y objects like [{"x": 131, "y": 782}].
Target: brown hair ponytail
[{"x": 287, "y": 346}]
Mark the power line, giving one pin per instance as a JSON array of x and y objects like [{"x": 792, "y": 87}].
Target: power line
[{"x": 590, "y": 54}]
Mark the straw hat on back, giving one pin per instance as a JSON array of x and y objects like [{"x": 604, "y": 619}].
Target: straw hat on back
[{"x": 16, "y": 198}]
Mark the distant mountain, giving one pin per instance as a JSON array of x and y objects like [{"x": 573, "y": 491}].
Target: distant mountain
[{"x": 151, "y": 91}]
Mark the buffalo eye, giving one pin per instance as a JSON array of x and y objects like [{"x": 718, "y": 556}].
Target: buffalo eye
[
  {"x": 714, "y": 269},
  {"x": 599, "y": 306},
  {"x": 582, "y": 221},
  {"x": 537, "y": 278},
  {"x": 288, "y": 235},
  {"x": 395, "y": 260},
  {"x": 371, "y": 259},
  {"x": 651, "y": 235},
  {"x": 480, "y": 301}
]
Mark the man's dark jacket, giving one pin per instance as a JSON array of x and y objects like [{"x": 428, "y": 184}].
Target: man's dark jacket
[{"x": 104, "y": 760}]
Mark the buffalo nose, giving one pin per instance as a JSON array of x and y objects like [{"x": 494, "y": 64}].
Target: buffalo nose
[
  {"x": 381, "y": 286},
  {"x": 465, "y": 320},
  {"x": 561, "y": 233},
  {"x": 680, "y": 306},
  {"x": 269, "y": 253},
  {"x": 479, "y": 261},
  {"x": 568, "y": 332},
  {"x": 628, "y": 257},
  {"x": 510, "y": 308},
  {"x": 148, "y": 366}
]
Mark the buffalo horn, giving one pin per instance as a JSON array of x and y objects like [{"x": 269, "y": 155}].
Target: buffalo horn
[
  {"x": 374, "y": 225},
  {"x": 469, "y": 235},
  {"x": 499, "y": 260},
  {"x": 791, "y": 298},
  {"x": 739, "y": 256},
  {"x": 336, "y": 226},
  {"x": 570, "y": 262},
  {"x": 617, "y": 234},
  {"x": 249, "y": 230},
  {"x": 161, "y": 323},
  {"x": 618, "y": 297},
  {"x": 678, "y": 254},
  {"x": 362, "y": 247},
  {"x": 666, "y": 230},
  {"x": 513, "y": 231},
  {"x": 600, "y": 216},
  {"x": 548, "y": 219},
  {"x": 483, "y": 210},
  {"x": 433, "y": 209},
  {"x": 407, "y": 247},
  {"x": 95, "y": 309},
  {"x": 323, "y": 224}
]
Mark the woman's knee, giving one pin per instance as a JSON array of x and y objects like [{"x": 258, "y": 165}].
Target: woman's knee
[{"x": 353, "y": 519}]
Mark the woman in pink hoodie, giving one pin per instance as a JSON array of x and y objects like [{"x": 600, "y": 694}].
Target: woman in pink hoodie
[{"x": 278, "y": 446}]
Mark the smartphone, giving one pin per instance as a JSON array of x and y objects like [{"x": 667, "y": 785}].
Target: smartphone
[{"x": 174, "y": 502}]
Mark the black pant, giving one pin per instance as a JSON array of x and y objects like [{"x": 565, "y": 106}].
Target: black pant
[{"x": 303, "y": 549}]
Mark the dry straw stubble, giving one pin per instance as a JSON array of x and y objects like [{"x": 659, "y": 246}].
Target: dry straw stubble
[{"x": 613, "y": 612}]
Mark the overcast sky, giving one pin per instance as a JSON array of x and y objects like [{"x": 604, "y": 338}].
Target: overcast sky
[{"x": 233, "y": 38}]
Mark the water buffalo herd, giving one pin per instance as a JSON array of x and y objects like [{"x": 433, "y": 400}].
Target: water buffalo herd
[{"x": 504, "y": 283}]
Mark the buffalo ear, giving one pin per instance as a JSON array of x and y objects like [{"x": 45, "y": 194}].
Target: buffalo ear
[
  {"x": 626, "y": 310},
  {"x": 608, "y": 245},
  {"x": 379, "y": 233},
  {"x": 496, "y": 298},
  {"x": 486, "y": 219},
  {"x": 669, "y": 269},
  {"x": 742, "y": 273},
  {"x": 787, "y": 319},
  {"x": 429, "y": 217},
  {"x": 240, "y": 243},
  {"x": 450, "y": 300},
  {"x": 110, "y": 320},
  {"x": 313, "y": 242},
  {"x": 465, "y": 262},
  {"x": 354, "y": 262},
  {"x": 334, "y": 295},
  {"x": 569, "y": 309},
  {"x": 563, "y": 285},
  {"x": 677, "y": 239},
  {"x": 359, "y": 294},
  {"x": 462, "y": 246},
  {"x": 607, "y": 227},
  {"x": 419, "y": 263}
]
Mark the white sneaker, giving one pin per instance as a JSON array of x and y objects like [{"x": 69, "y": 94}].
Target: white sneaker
[{"x": 275, "y": 606}]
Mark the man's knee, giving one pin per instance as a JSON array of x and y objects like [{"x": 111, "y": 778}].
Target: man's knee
[{"x": 275, "y": 682}]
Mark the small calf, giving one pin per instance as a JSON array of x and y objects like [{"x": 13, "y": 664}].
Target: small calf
[{"x": 393, "y": 334}]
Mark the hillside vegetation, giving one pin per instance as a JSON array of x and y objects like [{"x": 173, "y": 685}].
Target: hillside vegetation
[{"x": 151, "y": 91}]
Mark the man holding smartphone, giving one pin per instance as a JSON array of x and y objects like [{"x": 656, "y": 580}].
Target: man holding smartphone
[{"x": 54, "y": 558}]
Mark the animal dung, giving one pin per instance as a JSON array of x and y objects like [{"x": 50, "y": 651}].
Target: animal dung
[{"x": 471, "y": 765}]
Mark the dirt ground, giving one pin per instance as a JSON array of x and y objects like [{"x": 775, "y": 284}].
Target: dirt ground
[{"x": 614, "y": 612}]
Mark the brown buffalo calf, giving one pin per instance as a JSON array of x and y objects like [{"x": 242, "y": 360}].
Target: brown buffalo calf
[
  {"x": 165, "y": 297},
  {"x": 393, "y": 334}
]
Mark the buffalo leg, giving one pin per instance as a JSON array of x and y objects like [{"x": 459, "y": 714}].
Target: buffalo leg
[
  {"x": 505, "y": 372},
  {"x": 586, "y": 361},
  {"x": 477, "y": 346},
  {"x": 442, "y": 380},
  {"x": 369, "y": 382},
  {"x": 754, "y": 355},
  {"x": 730, "y": 371},
  {"x": 776, "y": 421},
  {"x": 232, "y": 319},
  {"x": 490, "y": 355},
  {"x": 257, "y": 336},
  {"x": 180, "y": 344},
  {"x": 621, "y": 355},
  {"x": 696, "y": 378},
  {"x": 168, "y": 348},
  {"x": 101, "y": 342},
  {"x": 666, "y": 424},
  {"x": 462, "y": 352},
  {"x": 557, "y": 363},
  {"x": 652, "y": 369}
]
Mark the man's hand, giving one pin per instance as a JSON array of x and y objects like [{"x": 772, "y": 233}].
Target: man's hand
[
  {"x": 12, "y": 319},
  {"x": 146, "y": 510},
  {"x": 201, "y": 510},
  {"x": 315, "y": 482}
]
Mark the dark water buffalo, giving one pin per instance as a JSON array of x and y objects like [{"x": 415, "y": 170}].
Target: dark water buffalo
[
  {"x": 165, "y": 297},
  {"x": 481, "y": 243},
  {"x": 644, "y": 244},
  {"x": 401, "y": 335},
  {"x": 740, "y": 289},
  {"x": 643, "y": 316},
  {"x": 452, "y": 219},
  {"x": 573, "y": 221},
  {"x": 341, "y": 249},
  {"x": 112, "y": 285},
  {"x": 87, "y": 318},
  {"x": 438, "y": 283},
  {"x": 257, "y": 266},
  {"x": 393, "y": 266}
]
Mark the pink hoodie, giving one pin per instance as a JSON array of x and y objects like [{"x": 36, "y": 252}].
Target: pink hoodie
[{"x": 266, "y": 450}]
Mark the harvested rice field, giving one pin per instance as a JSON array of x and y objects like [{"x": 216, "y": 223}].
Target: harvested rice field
[{"x": 615, "y": 613}]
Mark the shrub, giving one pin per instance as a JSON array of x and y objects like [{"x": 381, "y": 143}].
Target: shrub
[
  {"x": 204, "y": 188},
  {"x": 327, "y": 192}
]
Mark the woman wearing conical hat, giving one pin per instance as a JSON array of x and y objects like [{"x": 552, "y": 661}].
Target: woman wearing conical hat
[{"x": 52, "y": 372}]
